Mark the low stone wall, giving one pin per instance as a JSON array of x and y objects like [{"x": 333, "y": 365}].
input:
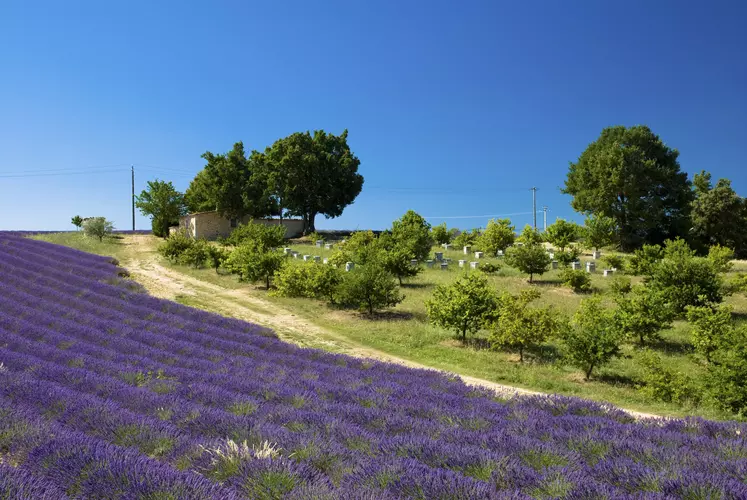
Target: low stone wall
[{"x": 210, "y": 225}]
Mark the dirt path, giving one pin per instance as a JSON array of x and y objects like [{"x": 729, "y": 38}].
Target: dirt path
[{"x": 143, "y": 264}]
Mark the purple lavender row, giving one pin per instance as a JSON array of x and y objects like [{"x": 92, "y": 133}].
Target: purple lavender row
[
  {"x": 172, "y": 333},
  {"x": 95, "y": 268},
  {"x": 454, "y": 453},
  {"x": 57, "y": 462},
  {"x": 59, "y": 252}
]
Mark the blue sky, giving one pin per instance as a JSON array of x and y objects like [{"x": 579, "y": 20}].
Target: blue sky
[{"x": 454, "y": 108}]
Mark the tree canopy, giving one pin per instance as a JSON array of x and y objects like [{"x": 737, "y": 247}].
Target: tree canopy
[
  {"x": 498, "y": 235},
  {"x": 630, "y": 175},
  {"x": 562, "y": 233},
  {"x": 719, "y": 215},
  {"x": 313, "y": 174},
  {"x": 163, "y": 203}
]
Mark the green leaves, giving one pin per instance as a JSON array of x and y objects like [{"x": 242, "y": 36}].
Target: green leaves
[
  {"x": 531, "y": 257},
  {"x": 562, "y": 233},
  {"x": 77, "y": 221},
  {"x": 599, "y": 231},
  {"x": 631, "y": 176},
  {"x": 163, "y": 203},
  {"x": 498, "y": 235},
  {"x": 97, "y": 227},
  {"x": 719, "y": 215},
  {"x": 313, "y": 174},
  {"x": 254, "y": 263},
  {"x": 519, "y": 326},
  {"x": 593, "y": 340},
  {"x": 642, "y": 314},
  {"x": 369, "y": 287},
  {"x": 464, "y": 306},
  {"x": 411, "y": 234}
]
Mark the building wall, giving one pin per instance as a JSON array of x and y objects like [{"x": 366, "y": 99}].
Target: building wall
[{"x": 211, "y": 225}]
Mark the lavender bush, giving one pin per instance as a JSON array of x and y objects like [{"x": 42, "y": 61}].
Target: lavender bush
[{"x": 110, "y": 393}]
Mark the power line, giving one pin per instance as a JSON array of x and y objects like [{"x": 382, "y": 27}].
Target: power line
[
  {"x": 50, "y": 170},
  {"x": 479, "y": 216},
  {"x": 56, "y": 174}
]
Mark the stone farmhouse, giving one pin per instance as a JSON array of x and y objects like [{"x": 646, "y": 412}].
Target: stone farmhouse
[{"x": 211, "y": 225}]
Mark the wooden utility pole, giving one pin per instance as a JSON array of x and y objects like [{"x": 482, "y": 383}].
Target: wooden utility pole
[
  {"x": 534, "y": 206},
  {"x": 132, "y": 169}
]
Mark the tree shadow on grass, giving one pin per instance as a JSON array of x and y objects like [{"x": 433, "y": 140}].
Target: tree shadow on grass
[
  {"x": 415, "y": 285},
  {"x": 617, "y": 380},
  {"x": 542, "y": 354},
  {"x": 391, "y": 316},
  {"x": 670, "y": 346},
  {"x": 739, "y": 316},
  {"x": 546, "y": 282}
]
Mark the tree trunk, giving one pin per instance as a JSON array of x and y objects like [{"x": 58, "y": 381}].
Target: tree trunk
[
  {"x": 400, "y": 280},
  {"x": 267, "y": 281},
  {"x": 640, "y": 335},
  {"x": 531, "y": 275},
  {"x": 521, "y": 354},
  {"x": 310, "y": 222},
  {"x": 588, "y": 372},
  {"x": 464, "y": 333}
]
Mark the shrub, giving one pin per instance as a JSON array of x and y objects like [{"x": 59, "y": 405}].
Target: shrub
[
  {"x": 661, "y": 383},
  {"x": 519, "y": 326},
  {"x": 369, "y": 287},
  {"x": 412, "y": 234},
  {"x": 97, "y": 227},
  {"x": 441, "y": 234},
  {"x": 578, "y": 280},
  {"x": 614, "y": 262},
  {"x": 721, "y": 258},
  {"x": 736, "y": 284},
  {"x": 727, "y": 373},
  {"x": 195, "y": 255},
  {"x": 566, "y": 257},
  {"x": 315, "y": 236},
  {"x": 562, "y": 233},
  {"x": 643, "y": 260},
  {"x": 398, "y": 261},
  {"x": 359, "y": 248},
  {"x": 490, "y": 268},
  {"x": 498, "y": 235},
  {"x": 530, "y": 258},
  {"x": 261, "y": 236},
  {"x": 253, "y": 263},
  {"x": 684, "y": 280},
  {"x": 175, "y": 245},
  {"x": 466, "y": 238},
  {"x": 464, "y": 306},
  {"x": 620, "y": 285},
  {"x": 307, "y": 279},
  {"x": 592, "y": 341},
  {"x": 217, "y": 256},
  {"x": 710, "y": 327},
  {"x": 642, "y": 314},
  {"x": 530, "y": 236},
  {"x": 599, "y": 231}
]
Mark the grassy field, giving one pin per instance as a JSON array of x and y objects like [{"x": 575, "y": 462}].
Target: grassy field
[{"x": 405, "y": 332}]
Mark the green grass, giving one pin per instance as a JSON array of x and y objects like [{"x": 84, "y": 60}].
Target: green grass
[{"x": 405, "y": 332}]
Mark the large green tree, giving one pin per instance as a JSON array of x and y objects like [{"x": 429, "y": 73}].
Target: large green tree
[
  {"x": 313, "y": 175},
  {"x": 562, "y": 233},
  {"x": 719, "y": 215},
  {"x": 199, "y": 196},
  {"x": 412, "y": 233},
  {"x": 163, "y": 203},
  {"x": 630, "y": 175},
  {"x": 232, "y": 184}
]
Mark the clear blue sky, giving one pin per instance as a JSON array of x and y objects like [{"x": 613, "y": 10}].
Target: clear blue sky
[{"x": 454, "y": 108}]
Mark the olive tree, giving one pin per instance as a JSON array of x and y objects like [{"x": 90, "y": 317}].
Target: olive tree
[{"x": 97, "y": 227}]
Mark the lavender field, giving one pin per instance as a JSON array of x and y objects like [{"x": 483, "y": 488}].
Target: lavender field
[{"x": 106, "y": 392}]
